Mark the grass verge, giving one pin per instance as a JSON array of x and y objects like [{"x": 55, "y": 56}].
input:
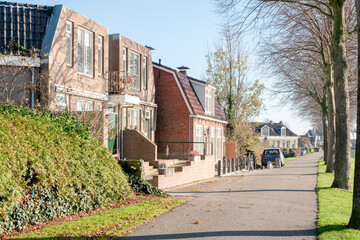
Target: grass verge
[
  {"x": 108, "y": 224},
  {"x": 334, "y": 208}
]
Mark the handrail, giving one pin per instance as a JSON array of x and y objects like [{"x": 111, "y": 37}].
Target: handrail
[{"x": 205, "y": 149}]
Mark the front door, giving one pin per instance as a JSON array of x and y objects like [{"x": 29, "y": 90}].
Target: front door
[{"x": 113, "y": 132}]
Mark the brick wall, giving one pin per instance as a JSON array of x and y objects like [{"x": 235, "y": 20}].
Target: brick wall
[
  {"x": 172, "y": 114},
  {"x": 137, "y": 146},
  {"x": 194, "y": 171}
]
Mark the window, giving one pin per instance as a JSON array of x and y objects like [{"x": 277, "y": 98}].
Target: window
[
  {"x": 100, "y": 55},
  {"x": 135, "y": 119},
  {"x": 69, "y": 43},
  {"x": 278, "y": 144},
  {"x": 293, "y": 144},
  {"x": 99, "y": 106},
  {"x": 60, "y": 101},
  {"x": 124, "y": 59},
  {"x": 198, "y": 146},
  {"x": 265, "y": 131},
  {"x": 124, "y": 118},
  {"x": 85, "y": 105},
  {"x": 283, "y": 131},
  {"x": 199, "y": 130},
  {"x": 219, "y": 145},
  {"x": 288, "y": 144},
  {"x": 283, "y": 144},
  {"x": 212, "y": 136},
  {"x": 85, "y": 51},
  {"x": 135, "y": 68},
  {"x": 207, "y": 101},
  {"x": 144, "y": 73}
]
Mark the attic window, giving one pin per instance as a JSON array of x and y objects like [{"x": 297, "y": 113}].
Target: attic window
[
  {"x": 283, "y": 131},
  {"x": 265, "y": 131},
  {"x": 209, "y": 101}
]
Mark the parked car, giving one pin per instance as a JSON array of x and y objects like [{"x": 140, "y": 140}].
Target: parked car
[
  {"x": 303, "y": 151},
  {"x": 270, "y": 155}
]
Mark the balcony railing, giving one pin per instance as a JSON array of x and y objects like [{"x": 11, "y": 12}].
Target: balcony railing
[{"x": 122, "y": 82}]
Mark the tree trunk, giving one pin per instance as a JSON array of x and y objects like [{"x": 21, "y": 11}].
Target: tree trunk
[
  {"x": 325, "y": 124},
  {"x": 331, "y": 127},
  {"x": 342, "y": 148},
  {"x": 355, "y": 214}
]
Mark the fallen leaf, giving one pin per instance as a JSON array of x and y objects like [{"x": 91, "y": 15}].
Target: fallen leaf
[{"x": 197, "y": 222}]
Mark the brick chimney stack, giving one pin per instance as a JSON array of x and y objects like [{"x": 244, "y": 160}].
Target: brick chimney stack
[{"x": 183, "y": 69}]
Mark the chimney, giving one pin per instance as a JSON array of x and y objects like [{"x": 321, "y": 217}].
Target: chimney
[
  {"x": 183, "y": 69},
  {"x": 271, "y": 122},
  {"x": 159, "y": 61},
  {"x": 281, "y": 122}
]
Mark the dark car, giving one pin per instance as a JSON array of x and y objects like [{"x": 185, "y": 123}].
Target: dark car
[
  {"x": 270, "y": 155},
  {"x": 303, "y": 151}
]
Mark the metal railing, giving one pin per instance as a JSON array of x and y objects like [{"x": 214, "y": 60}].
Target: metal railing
[
  {"x": 121, "y": 82},
  {"x": 206, "y": 148}
]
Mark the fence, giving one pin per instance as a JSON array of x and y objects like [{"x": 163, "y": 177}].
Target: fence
[{"x": 230, "y": 165}]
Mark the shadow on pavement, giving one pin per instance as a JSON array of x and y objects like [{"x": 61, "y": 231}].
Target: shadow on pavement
[
  {"x": 240, "y": 191},
  {"x": 219, "y": 234}
]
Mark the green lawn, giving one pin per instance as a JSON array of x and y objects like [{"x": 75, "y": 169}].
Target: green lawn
[
  {"x": 334, "y": 208},
  {"x": 107, "y": 224}
]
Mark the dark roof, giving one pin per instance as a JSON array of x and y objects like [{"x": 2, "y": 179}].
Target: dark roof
[
  {"x": 192, "y": 96},
  {"x": 24, "y": 23},
  {"x": 275, "y": 128},
  {"x": 311, "y": 133}
]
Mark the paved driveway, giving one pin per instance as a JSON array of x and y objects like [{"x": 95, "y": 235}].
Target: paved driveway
[{"x": 277, "y": 203}]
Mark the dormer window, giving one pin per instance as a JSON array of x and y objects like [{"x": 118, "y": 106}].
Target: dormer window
[
  {"x": 283, "y": 131},
  {"x": 265, "y": 131},
  {"x": 209, "y": 101}
]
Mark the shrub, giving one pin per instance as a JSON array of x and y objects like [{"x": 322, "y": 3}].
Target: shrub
[
  {"x": 317, "y": 149},
  {"x": 50, "y": 166},
  {"x": 138, "y": 184}
]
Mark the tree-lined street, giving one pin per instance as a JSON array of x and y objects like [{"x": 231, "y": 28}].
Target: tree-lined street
[{"x": 275, "y": 203}]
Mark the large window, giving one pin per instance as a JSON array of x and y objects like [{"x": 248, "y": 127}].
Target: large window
[
  {"x": 199, "y": 147},
  {"x": 135, "y": 68},
  {"x": 100, "y": 55},
  {"x": 124, "y": 59},
  {"x": 144, "y": 73},
  {"x": 135, "y": 119},
  {"x": 85, "y": 51},
  {"x": 69, "y": 43},
  {"x": 219, "y": 144},
  {"x": 283, "y": 131}
]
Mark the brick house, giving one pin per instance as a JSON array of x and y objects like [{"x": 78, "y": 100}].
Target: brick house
[
  {"x": 276, "y": 134},
  {"x": 73, "y": 56},
  {"x": 81, "y": 68},
  {"x": 132, "y": 107},
  {"x": 189, "y": 117}
]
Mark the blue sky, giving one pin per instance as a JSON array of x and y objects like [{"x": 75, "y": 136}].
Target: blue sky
[{"x": 182, "y": 33}]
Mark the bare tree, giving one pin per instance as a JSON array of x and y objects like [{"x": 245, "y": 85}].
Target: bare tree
[
  {"x": 355, "y": 214},
  {"x": 334, "y": 10}
]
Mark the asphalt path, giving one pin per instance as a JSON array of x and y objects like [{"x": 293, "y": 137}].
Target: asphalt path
[{"x": 278, "y": 203}]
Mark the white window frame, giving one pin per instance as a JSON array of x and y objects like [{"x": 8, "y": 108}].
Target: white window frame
[
  {"x": 208, "y": 101},
  {"x": 85, "y": 52},
  {"x": 99, "y": 106},
  {"x": 69, "y": 43},
  {"x": 144, "y": 72},
  {"x": 100, "y": 55},
  {"x": 293, "y": 144},
  {"x": 199, "y": 131},
  {"x": 61, "y": 101},
  {"x": 134, "y": 119},
  {"x": 263, "y": 132},
  {"x": 85, "y": 105},
  {"x": 125, "y": 61},
  {"x": 283, "y": 131},
  {"x": 135, "y": 68}
]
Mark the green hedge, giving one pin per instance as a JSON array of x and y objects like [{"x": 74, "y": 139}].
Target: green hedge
[{"x": 50, "y": 167}]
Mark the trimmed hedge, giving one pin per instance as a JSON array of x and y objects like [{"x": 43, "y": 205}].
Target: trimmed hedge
[{"x": 51, "y": 167}]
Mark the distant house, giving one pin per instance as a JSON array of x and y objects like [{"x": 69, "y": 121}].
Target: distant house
[
  {"x": 189, "y": 117},
  {"x": 276, "y": 134},
  {"x": 315, "y": 137}
]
